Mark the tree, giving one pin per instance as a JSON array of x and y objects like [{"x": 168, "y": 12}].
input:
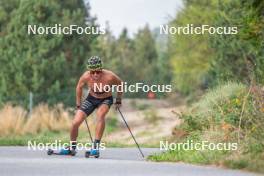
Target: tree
[
  {"x": 191, "y": 54},
  {"x": 145, "y": 55},
  {"x": 239, "y": 57},
  {"x": 47, "y": 65}
]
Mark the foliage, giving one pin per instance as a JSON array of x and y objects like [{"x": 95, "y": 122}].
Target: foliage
[
  {"x": 202, "y": 60},
  {"x": 43, "y": 64},
  {"x": 49, "y": 65},
  {"x": 134, "y": 59},
  {"x": 239, "y": 57},
  {"x": 230, "y": 113},
  {"x": 191, "y": 54}
]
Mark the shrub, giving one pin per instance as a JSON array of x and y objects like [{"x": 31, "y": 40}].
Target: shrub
[{"x": 230, "y": 113}]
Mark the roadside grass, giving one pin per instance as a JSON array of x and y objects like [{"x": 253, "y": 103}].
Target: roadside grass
[
  {"x": 190, "y": 156},
  {"x": 15, "y": 120},
  {"x": 249, "y": 162},
  {"x": 45, "y": 125},
  {"x": 178, "y": 153},
  {"x": 44, "y": 137},
  {"x": 48, "y": 124},
  {"x": 231, "y": 113},
  {"x": 62, "y": 136}
]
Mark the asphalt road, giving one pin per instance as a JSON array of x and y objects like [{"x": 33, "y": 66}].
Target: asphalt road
[{"x": 113, "y": 161}]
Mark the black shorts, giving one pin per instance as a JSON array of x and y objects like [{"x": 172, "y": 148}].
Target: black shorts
[{"x": 91, "y": 103}]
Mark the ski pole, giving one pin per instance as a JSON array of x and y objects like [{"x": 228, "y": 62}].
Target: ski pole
[
  {"x": 130, "y": 132},
  {"x": 89, "y": 130}
]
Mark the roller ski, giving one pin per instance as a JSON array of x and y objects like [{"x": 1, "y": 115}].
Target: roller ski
[
  {"x": 92, "y": 153},
  {"x": 64, "y": 151}
]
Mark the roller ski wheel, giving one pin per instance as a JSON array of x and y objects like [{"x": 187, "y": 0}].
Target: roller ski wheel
[
  {"x": 50, "y": 152},
  {"x": 73, "y": 153},
  {"x": 87, "y": 154},
  {"x": 92, "y": 153},
  {"x": 66, "y": 151}
]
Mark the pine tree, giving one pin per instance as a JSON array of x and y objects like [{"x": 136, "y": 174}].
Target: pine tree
[{"x": 47, "y": 65}]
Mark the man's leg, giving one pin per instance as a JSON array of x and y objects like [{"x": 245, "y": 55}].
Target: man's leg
[
  {"x": 77, "y": 121},
  {"x": 100, "y": 124}
]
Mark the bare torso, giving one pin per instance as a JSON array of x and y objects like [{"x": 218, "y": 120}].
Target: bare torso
[{"x": 106, "y": 78}]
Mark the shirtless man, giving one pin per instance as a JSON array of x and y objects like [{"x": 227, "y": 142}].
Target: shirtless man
[{"x": 101, "y": 101}]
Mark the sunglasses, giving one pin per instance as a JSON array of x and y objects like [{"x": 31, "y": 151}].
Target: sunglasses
[{"x": 95, "y": 72}]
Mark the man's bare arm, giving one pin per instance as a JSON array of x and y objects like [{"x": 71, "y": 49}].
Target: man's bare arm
[{"x": 79, "y": 87}]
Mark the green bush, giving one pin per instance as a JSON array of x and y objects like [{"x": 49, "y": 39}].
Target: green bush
[
  {"x": 223, "y": 104},
  {"x": 233, "y": 105},
  {"x": 231, "y": 113},
  {"x": 239, "y": 57}
]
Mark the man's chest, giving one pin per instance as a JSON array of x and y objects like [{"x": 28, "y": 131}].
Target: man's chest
[{"x": 100, "y": 83}]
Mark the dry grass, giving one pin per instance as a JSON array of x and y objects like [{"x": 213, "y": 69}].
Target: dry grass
[
  {"x": 15, "y": 120},
  {"x": 12, "y": 120}
]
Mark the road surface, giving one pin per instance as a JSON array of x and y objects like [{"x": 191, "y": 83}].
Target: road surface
[{"x": 113, "y": 161}]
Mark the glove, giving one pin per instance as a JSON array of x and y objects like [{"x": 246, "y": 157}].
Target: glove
[{"x": 118, "y": 102}]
